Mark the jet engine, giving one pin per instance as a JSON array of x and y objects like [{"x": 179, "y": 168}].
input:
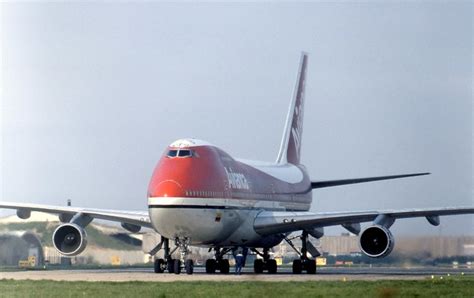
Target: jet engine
[
  {"x": 70, "y": 239},
  {"x": 376, "y": 241}
]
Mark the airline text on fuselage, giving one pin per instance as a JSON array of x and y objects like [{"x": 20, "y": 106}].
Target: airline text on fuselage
[{"x": 236, "y": 180}]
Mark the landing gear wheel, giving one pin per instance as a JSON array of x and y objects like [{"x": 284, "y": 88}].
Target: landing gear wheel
[
  {"x": 159, "y": 265},
  {"x": 311, "y": 266},
  {"x": 170, "y": 265},
  {"x": 211, "y": 265},
  {"x": 272, "y": 266},
  {"x": 189, "y": 266},
  {"x": 177, "y": 266},
  {"x": 258, "y": 266},
  {"x": 224, "y": 266},
  {"x": 297, "y": 267}
]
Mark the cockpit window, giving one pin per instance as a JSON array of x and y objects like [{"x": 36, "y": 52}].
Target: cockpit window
[
  {"x": 180, "y": 153},
  {"x": 172, "y": 153},
  {"x": 183, "y": 153}
]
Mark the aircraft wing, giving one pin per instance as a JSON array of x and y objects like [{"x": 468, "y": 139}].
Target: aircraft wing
[
  {"x": 331, "y": 183},
  {"x": 268, "y": 223},
  {"x": 135, "y": 218}
]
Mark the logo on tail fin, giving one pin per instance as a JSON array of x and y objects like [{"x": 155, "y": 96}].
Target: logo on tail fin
[
  {"x": 297, "y": 130},
  {"x": 290, "y": 148}
]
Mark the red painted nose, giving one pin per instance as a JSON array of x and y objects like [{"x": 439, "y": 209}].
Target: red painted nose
[{"x": 167, "y": 188}]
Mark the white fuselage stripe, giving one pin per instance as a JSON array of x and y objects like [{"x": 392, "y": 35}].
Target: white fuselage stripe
[{"x": 227, "y": 203}]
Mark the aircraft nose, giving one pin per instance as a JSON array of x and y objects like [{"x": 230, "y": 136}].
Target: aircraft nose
[{"x": 167, "y": 188}]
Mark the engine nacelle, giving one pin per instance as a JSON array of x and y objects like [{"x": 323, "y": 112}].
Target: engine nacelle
[
  {"x": 376, "y": 241},
  {"x": 70, "y": 239}
]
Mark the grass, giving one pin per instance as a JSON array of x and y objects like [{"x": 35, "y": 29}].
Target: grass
[{"x": 452, "y": 287}]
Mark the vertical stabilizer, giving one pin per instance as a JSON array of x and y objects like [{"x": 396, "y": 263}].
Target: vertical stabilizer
[{"x": 290, "y": 147}]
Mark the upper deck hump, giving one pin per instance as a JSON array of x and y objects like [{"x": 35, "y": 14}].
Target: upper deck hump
[{"x": 285, "y": 172}]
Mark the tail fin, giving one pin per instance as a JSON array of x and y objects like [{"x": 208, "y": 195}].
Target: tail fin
[{"x": 290, "y": 147}]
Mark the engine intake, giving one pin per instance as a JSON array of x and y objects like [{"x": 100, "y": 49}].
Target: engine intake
[
  {"x": 376, "y": 241},
  {"x": 70, "y": 239}
]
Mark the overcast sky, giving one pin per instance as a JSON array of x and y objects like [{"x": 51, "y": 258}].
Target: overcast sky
[{"x": 92, "y": 93}]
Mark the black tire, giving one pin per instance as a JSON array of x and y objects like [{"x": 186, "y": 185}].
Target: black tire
[
  {"x": 177, "y": 266},
  {"x": 189, "y": 266},
  {"x": 297, "y": 267},
  {"x": 224, "y": 266},
  {"x": 211, "y": 266},
  {"x": 310, "y": 266},
  {"x": 170, "y": 266},
  {"x": 159, "y": 265},
  {"x": 272, "y": 266},
  {"x": 258, "y": 266}
]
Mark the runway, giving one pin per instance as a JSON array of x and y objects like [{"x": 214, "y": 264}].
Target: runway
[{"x": 284, "y": 274}]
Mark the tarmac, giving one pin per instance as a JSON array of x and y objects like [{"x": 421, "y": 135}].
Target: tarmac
[{"x": 284, "y": 274}]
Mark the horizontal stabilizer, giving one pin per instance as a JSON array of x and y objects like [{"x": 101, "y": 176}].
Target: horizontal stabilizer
[{"x": 330, "y": 183}]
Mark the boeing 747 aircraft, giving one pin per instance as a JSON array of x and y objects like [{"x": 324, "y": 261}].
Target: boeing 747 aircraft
[{"x": 200, "y": 195}]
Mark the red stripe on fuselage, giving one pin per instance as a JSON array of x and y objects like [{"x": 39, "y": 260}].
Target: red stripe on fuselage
[{"x": 211, "y": 172}]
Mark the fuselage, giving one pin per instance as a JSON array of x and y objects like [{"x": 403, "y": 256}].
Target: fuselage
[{"x": 200, "y": 193}]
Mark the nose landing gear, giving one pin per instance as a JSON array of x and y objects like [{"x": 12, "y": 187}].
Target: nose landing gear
[
  {"x": 168, "y": 263},
  {"x": 183, "y": 245}
]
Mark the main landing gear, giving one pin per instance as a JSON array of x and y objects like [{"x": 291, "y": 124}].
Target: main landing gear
[
  {"x": 173, "y": 265},
  {"x": 222, "y": 265},
  {"x": 260, "y": 265},
  {"x": 219, "y": 263},
  {"x": 303, "y": 263}
]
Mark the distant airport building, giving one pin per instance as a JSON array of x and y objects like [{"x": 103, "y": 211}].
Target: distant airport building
[
  {"x": 432, "y": 246},
  {"x": 20, "y": 246},
  {"x": 339, "y": 245},
  {"x": 437, "y": 246},
  {"x": 16, "y": 246},
  {"x": 469, "y": 249}
]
